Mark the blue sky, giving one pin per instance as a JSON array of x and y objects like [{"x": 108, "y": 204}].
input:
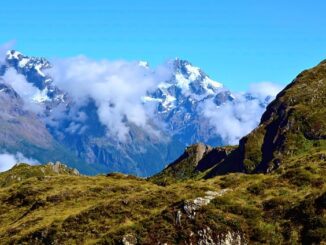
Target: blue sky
[{"x": 235, "y": 42}]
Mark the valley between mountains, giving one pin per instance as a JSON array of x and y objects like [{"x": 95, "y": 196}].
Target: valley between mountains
[{"x": 268, "y": 189}]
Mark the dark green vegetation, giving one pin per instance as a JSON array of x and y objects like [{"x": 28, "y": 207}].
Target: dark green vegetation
[{"x": 281, "y": 201}]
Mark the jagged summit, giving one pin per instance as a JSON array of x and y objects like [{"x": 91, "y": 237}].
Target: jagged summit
[
  {"x": 34, "y": 70},
  {"x": 27, "y": 63},
  {"x": 192, "y": 203},
  {"x": 180, "y": 99}
]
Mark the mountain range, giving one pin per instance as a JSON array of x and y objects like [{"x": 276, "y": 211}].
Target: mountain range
[{"x": 177, "y": 107}]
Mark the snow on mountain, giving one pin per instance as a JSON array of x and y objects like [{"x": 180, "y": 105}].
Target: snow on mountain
[
  {"x": 33, "y": 69},
  {"x": 179, "y": 102},
  {"x": 188, "y": 83}
]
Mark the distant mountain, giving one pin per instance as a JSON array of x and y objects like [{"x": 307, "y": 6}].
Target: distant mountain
[
  {"x": 22, "y": 131},
  {"x": 180, "y": 99},
  {"x": 178, "y": 116}
]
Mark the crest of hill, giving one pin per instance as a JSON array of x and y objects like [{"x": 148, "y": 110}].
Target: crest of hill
[
  {"x": 193, "y": 163},
  {"x": 23, "y": 171}
]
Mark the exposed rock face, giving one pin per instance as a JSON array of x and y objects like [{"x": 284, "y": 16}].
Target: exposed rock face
[
  {"x": 59, "y": 168},
  {"x": 195, "y": 160},
  {"x": 207, "y": 237},
  {"x": 23, "y": 131},
  {"x": 129, "y": 239},
  {"x": 293, "y": 123},
  {"x": 18, "y": 124},
  {"x": 231, "y": 238},
  {"x": 191, "y": 207}
]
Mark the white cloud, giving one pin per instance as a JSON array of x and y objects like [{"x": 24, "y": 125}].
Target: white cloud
[
  {"x": 264, "y": 89},
  {"x": 25, "y": 90},
  {"x": 236, "y": 119},
  {"x": 115, "y": 86},
  {"x": 3, "y": 50},
  {"x": 7, "y": 161}
]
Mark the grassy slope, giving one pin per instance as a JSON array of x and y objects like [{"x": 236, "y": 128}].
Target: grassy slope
[
  {"x": 293, "y": 123},
  {"x": 286, "y": 206}
]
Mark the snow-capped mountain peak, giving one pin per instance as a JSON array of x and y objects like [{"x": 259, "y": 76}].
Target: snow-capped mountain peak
[
  {"x": 188, "y": 85},
  {"x": 33, "y": 68},
  {"x": 192, "y": 80},
  {"x": 25, "y": 62}
]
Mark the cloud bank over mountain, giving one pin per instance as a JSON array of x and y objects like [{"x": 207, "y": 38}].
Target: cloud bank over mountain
[
  {"x": 26, "y": 90},
  {"x": 235, "y": 119},
  {"x": 115, "y": 86}
]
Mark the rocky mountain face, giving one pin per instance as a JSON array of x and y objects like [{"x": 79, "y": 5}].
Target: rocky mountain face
[
  {"x": 180, "y": 100},
  {"x": 193, "y": 163},
  {"x": 178, "y": 116},
  {"x": 141, "y": 154},
  {"x": 22, "y": 131}
]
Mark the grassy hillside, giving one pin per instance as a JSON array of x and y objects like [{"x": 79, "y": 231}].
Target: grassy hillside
[
  {"x": 294, "y": 123},
  {"x": 51, "y": 207}
]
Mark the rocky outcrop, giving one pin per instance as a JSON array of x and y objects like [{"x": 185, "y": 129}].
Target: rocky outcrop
[
  {"x": 192, "y": 206},
  {"x": 129, "y": 239},
  {"x": 207, "y": 237},
  {"x": 195, "y": 160}
]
